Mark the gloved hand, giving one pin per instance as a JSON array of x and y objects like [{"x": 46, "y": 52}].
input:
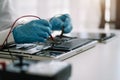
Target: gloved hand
[
  {"x": 34, "y": 31},
  {"x": 63, "y": 21}
]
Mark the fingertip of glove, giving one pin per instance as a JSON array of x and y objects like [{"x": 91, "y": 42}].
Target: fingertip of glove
[
  {"x": 45, "y": 22},
  {"x": 42, "y": 39},
  {"x": 68, "y": 29},
  {"x": 64, "y": 16},
  {"x": 56, "y": 23}
]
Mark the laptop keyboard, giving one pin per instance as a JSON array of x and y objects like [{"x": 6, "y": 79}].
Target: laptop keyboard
[
  {"x": 51, "y": 49},
  {"x": 70, "y": 45}
]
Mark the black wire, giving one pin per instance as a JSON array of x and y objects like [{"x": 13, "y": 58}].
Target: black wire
[
  {"x": 61, "y": 35},
  {"x": 10, "y": 53}
]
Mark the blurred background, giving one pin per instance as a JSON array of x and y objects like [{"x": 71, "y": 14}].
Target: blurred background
[{"x": 88, "y": 14}]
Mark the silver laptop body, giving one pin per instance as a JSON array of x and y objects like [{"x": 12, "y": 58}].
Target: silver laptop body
[{"x": 60, "y": 49}]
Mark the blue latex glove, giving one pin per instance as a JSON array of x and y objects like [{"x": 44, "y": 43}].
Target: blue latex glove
[
  {"x": 61, "y": 21},
  {"x": 34, "y": 31}
]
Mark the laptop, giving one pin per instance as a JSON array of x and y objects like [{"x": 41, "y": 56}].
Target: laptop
[
  {"x": 101, "y": 37},
  {"x": 60, "y": 49}
]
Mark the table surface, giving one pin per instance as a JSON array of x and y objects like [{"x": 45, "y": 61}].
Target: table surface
[{"x": 99, "y": 63}]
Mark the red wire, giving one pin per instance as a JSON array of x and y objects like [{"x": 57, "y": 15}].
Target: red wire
[
  {"x": 3, "y": 64},
  {"x": 14, "y": 25}
]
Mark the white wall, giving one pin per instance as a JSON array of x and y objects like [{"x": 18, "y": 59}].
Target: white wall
[
  {"x": 25, "y": 7},
  {"x": 84, "y": 13}
]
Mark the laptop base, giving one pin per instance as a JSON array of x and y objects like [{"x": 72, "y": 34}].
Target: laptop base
[{"x": 60, "y": 49}]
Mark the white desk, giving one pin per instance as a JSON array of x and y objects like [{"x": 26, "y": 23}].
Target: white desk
[{"x": 99, "y": 63}]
